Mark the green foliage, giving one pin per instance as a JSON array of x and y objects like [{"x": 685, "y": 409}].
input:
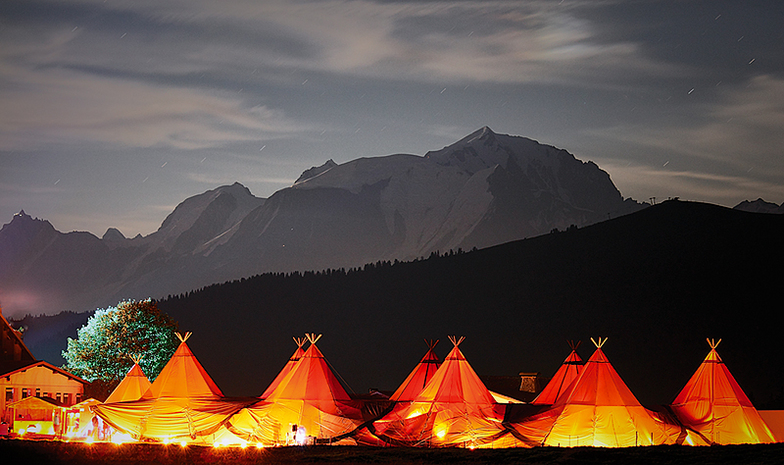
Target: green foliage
[{"x": 102, "y": 347}]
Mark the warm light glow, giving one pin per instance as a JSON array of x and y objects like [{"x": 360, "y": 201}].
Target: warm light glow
[
  {"x": 22, "y": 431},
  {"x": 121, "y": 438},
  {"x": 302, "y": 436},
  {"x": 243, "y": 444},
  {"x": 89, "y": 440},
  {"x": 259, "y": 445},
  {"x": 183, "y": 443},
  {"x": 441, "y": 434}
]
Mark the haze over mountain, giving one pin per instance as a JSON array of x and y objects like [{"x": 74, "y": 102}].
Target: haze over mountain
[{"x": 483, "y": 190}]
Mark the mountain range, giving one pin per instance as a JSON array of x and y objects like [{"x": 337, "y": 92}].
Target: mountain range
[
  {"x": 760, "y": 206},
  {"x": 483, "y": 190},
  {"x": 657, "y": 282}
]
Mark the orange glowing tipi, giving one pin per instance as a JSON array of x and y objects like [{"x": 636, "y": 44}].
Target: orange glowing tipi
[
  {"x": 133, "y": 386},
  {"x": 713, "y": 404},
  {"x": 287, "y": 367},
  {"x": 418, "y": 378},
  {"x": 183, "y": 403},
  {"x": 309, "y": 400},
  {"x": 598, "y": 409},
  {"x": 568, "y": 372},
  {"x": 454, "y": 409}
]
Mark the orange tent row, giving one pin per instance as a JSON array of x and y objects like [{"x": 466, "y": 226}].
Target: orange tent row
[
  {"x": 183, "y": 403},
  {"x": 439, "y": 404}
]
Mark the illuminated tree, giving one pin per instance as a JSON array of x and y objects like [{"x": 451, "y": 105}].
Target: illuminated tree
[{"x": 102, "y": 346}]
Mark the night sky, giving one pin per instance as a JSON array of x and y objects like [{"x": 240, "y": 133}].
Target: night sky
[{"x": 114, "y": 111}]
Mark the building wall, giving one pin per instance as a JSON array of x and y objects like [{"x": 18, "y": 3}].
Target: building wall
[{"x": 39, "y": 381}]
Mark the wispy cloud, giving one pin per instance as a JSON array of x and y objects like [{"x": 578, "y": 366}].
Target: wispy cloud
[
  {"x": 64, "y": 106},
  {"x": 487, "y": 42},
  {"x": 171, "y": 74},
  {"x": 742, "y": 130},
  {"x": 643, "y": 182},
  {"x": 474, "y": 41},
  {"x": 733, "y": 152}
]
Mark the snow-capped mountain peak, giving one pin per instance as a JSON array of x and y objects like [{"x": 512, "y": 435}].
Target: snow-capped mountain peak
[
  {"x": 204, "y": 216},
  {"x": 484, "y": 148},
  {"x": 483, "y": 190}
]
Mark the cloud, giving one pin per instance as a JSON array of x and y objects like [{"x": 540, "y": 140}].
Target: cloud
[
  {"x": 470, "y": 41},
  {"x": 643, "y": 182},
  {"x": 42, "y": 108},
  {"x": 172, "y": 73},
  {"x": 740, "y": 131},
  {"x": 487, "y": 42},
  {"x": 732, "y": 152}
]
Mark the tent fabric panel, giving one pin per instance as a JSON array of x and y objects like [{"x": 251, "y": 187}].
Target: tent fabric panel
[
  {"x": 169, "y": 418},
  {"x": 442, "y": 425},
  {"x": 456, "y": 382},
  {"x": 598, "y": 409},
  {"x": 561, "y": 380},
  {"x": 455, "y": 408},
  {"x": 183, "y": 376},
  {"x": 775, "y": 421},
  {"x": 309, "y": 395},
  {"x": 254, "y": 428},
  {"x": 606, "y": 426},
  {"x": 311, "y": 379},
  {"x": 418, "y": 378},
  {"x": 290, "y": 364},
  {"x": 713, "y": 404},
  {"x": 132, "y": 387},
  {"x": 732, "y": 425},
  {"x": 271, "y": 422},
  {"x": 600, "y": 384}
]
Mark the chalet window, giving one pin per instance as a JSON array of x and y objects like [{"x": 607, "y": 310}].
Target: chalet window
[
  {"x": 9, "y": 394},
  {"x": 58, "y": 397},
  {"x": 37, "y": 392},
  {"x": 78, "y": 397},
  {"x": 25, "y": 393},
  {"x": 66, "y": 398}
]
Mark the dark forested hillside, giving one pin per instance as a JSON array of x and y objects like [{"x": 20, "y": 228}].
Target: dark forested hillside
[{"x": 656, "y": 282}]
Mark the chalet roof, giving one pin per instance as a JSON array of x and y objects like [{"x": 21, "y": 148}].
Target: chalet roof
[
  {"x": 9, "y": 337},
  {"x": 9, "y": 369}
]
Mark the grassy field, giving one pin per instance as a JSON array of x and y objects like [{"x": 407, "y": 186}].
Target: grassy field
[{"x": 19, "y": 451}]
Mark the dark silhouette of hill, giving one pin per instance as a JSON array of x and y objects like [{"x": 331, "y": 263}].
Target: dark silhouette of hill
[
  {"x": 47, "y": 335},
  {"x": 656, "y": 282}
]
